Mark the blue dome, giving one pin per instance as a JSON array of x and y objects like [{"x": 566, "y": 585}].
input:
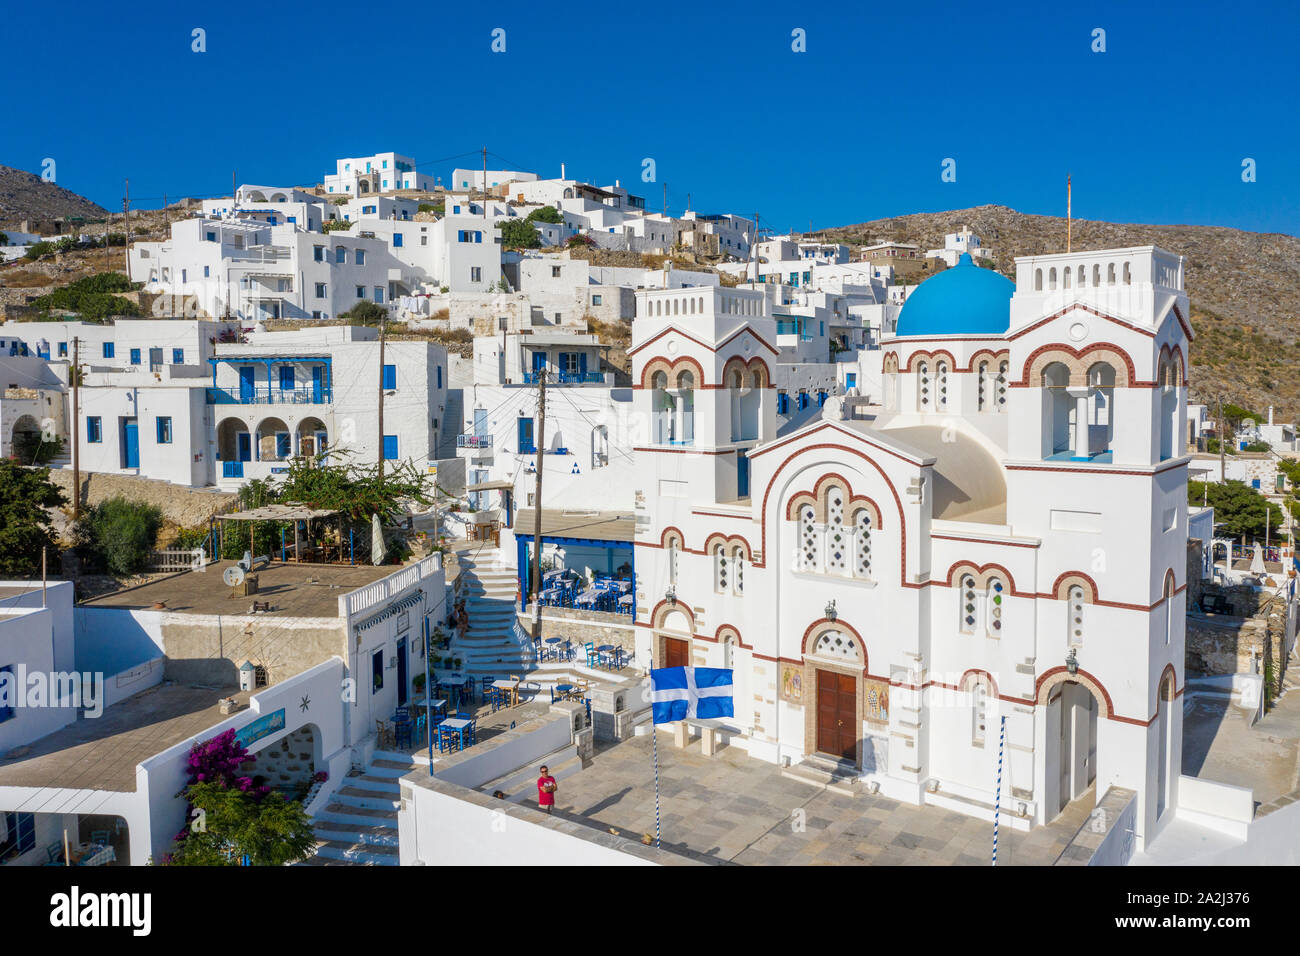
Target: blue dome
[{"x": 963, "y": 300}]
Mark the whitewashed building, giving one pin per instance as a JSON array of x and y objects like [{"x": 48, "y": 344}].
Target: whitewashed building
[
  {"x": 1007, "y": 538},
  {"x": 380, "y": 173}
]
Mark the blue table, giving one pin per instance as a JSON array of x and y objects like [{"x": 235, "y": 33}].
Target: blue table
[{"x": 458, "y": 726}]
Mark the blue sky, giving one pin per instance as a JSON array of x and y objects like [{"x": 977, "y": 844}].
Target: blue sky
[{"x": 1154, "y": 129}]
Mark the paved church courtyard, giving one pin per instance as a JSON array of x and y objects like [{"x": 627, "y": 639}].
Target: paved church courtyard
[{"x": 731, "y": 808}]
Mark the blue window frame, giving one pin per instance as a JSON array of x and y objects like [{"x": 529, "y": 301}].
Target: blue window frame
[
  {"x": 340, "y": 255},
  {"x": 850, "y": 380},
  {"x": 207, "y": 272},
  {"x": 390, "y": 448},
  {"x": 7, "y": 713},
  {"x": 526, "y": 436},
  {"x": 803, "y": 400},
  {"x": 135, "y": 356},
  {"x": 377, "y": 672},
  {"x": 108, "y": 350},
  {"x": 783, "y": 403},
  {"x": 178, "y": 356},
  {"x": 94, "y": 430},
  {"x": 361, "y": 257},
  {"x": 164, "y": 429},
  {"x": 397, "y": 240},
  {"x": 390, "y": 377},
  {"x": 63, "y": 350},
  {"x": 282, "y": 446},
  {"x": 286, "y": 378},
  {"x": 211, "y": 237},
  {"x": 440, "y": 376}
]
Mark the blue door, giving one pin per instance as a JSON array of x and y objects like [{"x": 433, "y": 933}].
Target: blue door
[
  {"x": 317, "y": 383},
  {"x": 742, "y": 475},
  {"x": 130, "y": 443},
  {"x": 480, "y": 422},
  {"x": 539, "y": 362},
  {"x": 582, "y": 366},
  {"x": 245, "y": 443},
  {"x": 401, "y": 673},
  {"x": 526, "y": 436},
  {"x": 246, "y": 383}
]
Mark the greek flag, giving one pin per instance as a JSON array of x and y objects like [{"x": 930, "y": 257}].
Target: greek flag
[{"x": 691, "y": 692}]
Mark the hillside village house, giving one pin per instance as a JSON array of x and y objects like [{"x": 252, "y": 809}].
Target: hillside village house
[
  {"x": 1016, "y": 513},
  {"x": 380, "y": 173},
  {"x": 337, "y": 651}
]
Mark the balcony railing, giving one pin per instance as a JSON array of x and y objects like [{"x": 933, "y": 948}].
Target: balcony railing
[
  {"x": 567, "y": 378},
  {"x": 270, "y": 396},
  {"x": 473, "y": 441}
]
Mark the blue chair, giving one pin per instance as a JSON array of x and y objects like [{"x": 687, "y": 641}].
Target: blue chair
[
  {"x": 593, "y": 656},
  {"x": 421, "y": 724},
  {"x": 402, "y": 734}
]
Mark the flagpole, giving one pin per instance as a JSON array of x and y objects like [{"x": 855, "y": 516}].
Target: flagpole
[
  {"x": 654, "y": 738},
  {"x": 1069, "y": 213},
  {"x": 997, "y": 800}
]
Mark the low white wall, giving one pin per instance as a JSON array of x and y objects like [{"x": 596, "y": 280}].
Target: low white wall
[
  {"x": 512, "y": 750},
  {"x": 1216, "y": 806}
]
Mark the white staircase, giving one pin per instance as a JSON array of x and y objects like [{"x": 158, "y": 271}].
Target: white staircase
[
  {"x": 493, "y": 644},
  {"x": 359, "y": 826}
]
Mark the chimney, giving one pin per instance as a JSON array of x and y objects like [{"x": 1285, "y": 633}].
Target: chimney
[
  {"x": 1270, "y": 414},
  {"x": 561, "y": 170}
]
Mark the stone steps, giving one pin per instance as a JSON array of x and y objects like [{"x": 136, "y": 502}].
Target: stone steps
[
  {"x": 826, "y": 774},
  {"x": 359, "y": 826}
]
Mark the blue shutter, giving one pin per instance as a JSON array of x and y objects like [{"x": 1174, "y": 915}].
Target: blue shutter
[
  {"x": 286, "y": 378},
  {"x": 178, "y": 356},
  {"x": 526, "y": 436},
  {"x": 390, "y": 447},
  {"x": 390, "y": 377},
  {"x": 282, "y": 446},
  {"x": 440, "y": 376},
  {"x": 135, "y": 356},
  {"x": 582, "y": 364}
]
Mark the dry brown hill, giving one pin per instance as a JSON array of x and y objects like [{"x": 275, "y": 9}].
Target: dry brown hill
[
  {"x": 1244, "y": 288},
  {"x": 27, "y": 196}
]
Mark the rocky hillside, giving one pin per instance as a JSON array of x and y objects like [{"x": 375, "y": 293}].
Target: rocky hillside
[
  {"x": 1244, "y": 289},
  {"x": 27, "y": 196}
]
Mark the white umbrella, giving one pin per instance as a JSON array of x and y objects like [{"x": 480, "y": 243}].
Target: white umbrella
[{"x": 376, "y": 540}]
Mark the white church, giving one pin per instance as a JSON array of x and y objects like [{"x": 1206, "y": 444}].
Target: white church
[{"x": 1005, "y": 538}]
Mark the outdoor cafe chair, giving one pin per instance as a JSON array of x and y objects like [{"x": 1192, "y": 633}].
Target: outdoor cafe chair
[
  {"x": 593, "y": 656},
  {"x": 102, "y": 837}
]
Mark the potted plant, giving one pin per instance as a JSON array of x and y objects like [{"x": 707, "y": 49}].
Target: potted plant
[{"x": 418, "y": 683}]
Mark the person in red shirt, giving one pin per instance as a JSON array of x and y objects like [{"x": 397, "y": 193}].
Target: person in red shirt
[{"x": 545, "y": 791}]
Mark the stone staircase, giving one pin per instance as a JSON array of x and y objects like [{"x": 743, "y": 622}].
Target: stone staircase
[
  {"x": 359, "y": 826},
  {"x": 824, "y": 772},
  {"x": 494, "y": 644}
]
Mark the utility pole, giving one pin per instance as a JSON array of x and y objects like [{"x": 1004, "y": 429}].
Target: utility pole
[
  {"x": 76, "y": 428},
  {"x": 540, "y": 445},
  {"x": 1222, "y": 440},
  {"x": 665, "y": 199},
  {"x": 126, "y": 221},
  {"x": 383, "y": 324},
  {"x": 753, "y": 248},
  {"x": 484, "y": 182}
]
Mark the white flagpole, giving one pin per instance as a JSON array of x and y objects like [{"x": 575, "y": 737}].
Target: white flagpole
[
  {"x": 654, "y": 737},
  {"x": 997, "y": 800}
]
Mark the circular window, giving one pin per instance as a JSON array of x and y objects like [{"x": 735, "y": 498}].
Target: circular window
[
  {"x": 1078, "y": 331},
  {"x": 672, "y": 348}
]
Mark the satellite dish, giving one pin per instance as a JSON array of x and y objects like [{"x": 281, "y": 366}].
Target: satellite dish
[{"x": 233, "y": 576}]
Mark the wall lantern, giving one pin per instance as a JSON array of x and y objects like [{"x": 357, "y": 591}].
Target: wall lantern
[
  {"x": 830, "y": 610},
  {"x": 671, "y": 596},
  {"x": 1072, "y": 663}
]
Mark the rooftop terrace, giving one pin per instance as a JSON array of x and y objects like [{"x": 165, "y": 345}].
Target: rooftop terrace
[{"x": 294, "y": 590}]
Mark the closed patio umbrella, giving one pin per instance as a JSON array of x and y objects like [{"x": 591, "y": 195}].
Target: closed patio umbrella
[{"x": 376, "y": 541}]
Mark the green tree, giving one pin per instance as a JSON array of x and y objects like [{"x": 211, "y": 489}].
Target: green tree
[
  {"x": 517, "y": 234},
  {"x": 119, "y": 533},
  {"x": 38, "y": 249},
  {"x": 365, "y": 312},
  {"x": 26, "y": 494},
  {"x": 4, "y": 239},
  {"x": 270, "y": 831},
  {"x": 334, "y": 225},
  {"x": 1238, "y": 509},
  {"x": 545, "y": 214}
]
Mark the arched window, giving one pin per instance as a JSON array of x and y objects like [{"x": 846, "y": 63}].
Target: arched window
[
  {"x": 838, "y": 538},
  {"x": 979, "y": 712},
  {"x": 1057, "y": 408},
  {"x": 663, "y": 405},
  {"x": 1051, "y": 278},
  {"x": 1169, "y": 609},
  {"x": 922, "y": 386},
  {"x": 1128, "y": 277},
  {"x": 969, "y": 606},
  {"x": 1110, "y": 273},
  {"x": 995, "y": 601},
  {"x": 982, "y": 387},
  {"x": 1083, "y": 278},
  {"x": 1038, "y": 280},
  {"x": 1096, "y": 274},
  {"x": 728, "y": 651},
  {"x": 862, "y": 544},
  {"x": 809, "y": 540},
  {"x": 1000, "y": 387},
  {"x": 941, "y": 385},
  {"x": 1076, "y": 602},
  {"x": 672, "y": 561},
  {"x": 738, "y": 571},
  {"x": 1065, "y": 276},
  {"x": 721, "y": 582}
]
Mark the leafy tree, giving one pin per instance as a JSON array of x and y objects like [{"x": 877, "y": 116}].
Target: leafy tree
[
  {"x": 270, "y": 831},
  {"x": 1235, "y": 414},
  {"x": 91, "y": 297},
  {"x": 582, "y": 241},
  {"x": 25, "y": 527},
  {"x": 1238, "y": 509},
  {"x": 518, "y": 234},
  {"x": 120, "y": 533},
  {"x": 545, "y": 214},
  {"x": 38, "y": 249},
  {"x": 336, "y": 224},
  {"x": 365, "y": 312},
  {"x": 436, "y": 208},
  {"x": 4, "y": 239}
]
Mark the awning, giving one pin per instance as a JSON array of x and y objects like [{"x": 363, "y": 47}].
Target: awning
[
  {"x": 397, "y": 607},
  {"x": 614, "y": 526},
  {"x": 500, "y": 484},
  {"x": 279, "y": 513}
]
